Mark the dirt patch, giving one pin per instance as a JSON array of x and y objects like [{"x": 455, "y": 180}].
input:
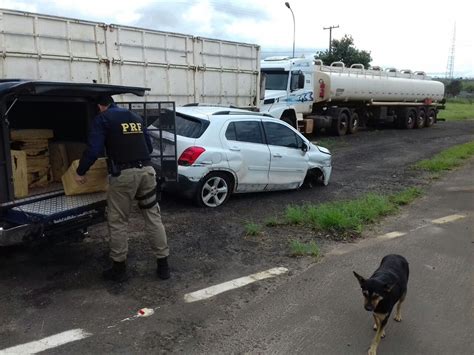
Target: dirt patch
[{"x": 210, "y": 246}]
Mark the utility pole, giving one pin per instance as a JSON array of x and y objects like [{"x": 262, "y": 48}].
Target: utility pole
[{"x": 330, "y": 35}]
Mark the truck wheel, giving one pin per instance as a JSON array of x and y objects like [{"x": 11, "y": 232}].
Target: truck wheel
[
  {"x": 408, "y": 120},
  {"x": 353, "y": 124},
  {"x": 430, "y": 118},
  {"x": 340, "y": 125},
  {"x": 214, "y": 189},
  {"x": 420, "y": 118}
]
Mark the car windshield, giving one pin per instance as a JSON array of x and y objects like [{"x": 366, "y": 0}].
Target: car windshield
[{"x": 276, "y": 80}]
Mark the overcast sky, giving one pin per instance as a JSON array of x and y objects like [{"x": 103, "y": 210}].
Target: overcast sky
[{"x": 414, "y": 34}]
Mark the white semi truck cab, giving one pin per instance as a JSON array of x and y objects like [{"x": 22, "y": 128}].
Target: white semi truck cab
[
  {"x": 289, "y": 87},
  {"x": 311, "y": 96}
]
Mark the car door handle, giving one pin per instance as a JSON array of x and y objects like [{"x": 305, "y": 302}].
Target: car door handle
[
  {"x": 237, "y": 149},
  {"x": 277, "y": 155}
]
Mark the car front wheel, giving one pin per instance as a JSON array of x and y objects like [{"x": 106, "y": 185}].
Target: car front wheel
[{"x": 213, "y": 190}]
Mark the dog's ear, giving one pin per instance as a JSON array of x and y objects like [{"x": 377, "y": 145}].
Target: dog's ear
[
  {"x": 387, "y": 288},
  {"x": 359, "y": 278}
]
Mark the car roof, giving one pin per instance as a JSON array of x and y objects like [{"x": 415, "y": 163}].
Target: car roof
[{"x": 206, "y": 112}]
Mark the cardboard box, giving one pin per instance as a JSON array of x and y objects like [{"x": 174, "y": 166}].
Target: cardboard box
[
  {"x": 97, "y": 178},
  {"x": 20, "y": 175},
  {"x": 62, "y": 154},
  {"x": 31, "y": 134}
]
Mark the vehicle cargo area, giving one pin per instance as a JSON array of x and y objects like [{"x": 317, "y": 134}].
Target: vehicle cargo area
[{"x": 45, "y": 137}]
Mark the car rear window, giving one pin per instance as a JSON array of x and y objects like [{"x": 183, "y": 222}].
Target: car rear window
[{"x": 190, "y": 127}]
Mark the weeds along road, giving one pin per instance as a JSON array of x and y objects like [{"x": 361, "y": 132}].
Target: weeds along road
[{"x": 49, "y": 290}]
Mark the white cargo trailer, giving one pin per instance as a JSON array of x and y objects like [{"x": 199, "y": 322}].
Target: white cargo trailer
[
  {"x": 313, "y": 96},
  {"x": 177, "y": 67}
]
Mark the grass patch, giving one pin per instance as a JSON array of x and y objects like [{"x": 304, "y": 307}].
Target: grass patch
[
  {"x": 447, "y": 159},
  {"x": 406, "y": 196},
  {"x": 347, "y": 218},
  {"x": 253, "y": 229},
  {"x": 457, "y": 110},
  {"x": 294, "y": 215},
  {"x": 272, "y": 222},
  {"x": 304, "y": 249}
]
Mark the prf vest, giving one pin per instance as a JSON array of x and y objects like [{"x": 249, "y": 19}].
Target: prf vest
[{"x": 125, "y": 140}]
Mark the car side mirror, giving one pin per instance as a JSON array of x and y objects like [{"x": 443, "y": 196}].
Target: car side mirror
[{"x": 304, "y": 147}]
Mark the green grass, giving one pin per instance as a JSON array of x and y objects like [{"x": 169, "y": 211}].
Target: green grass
[
  {"x": 303, "y": 249},
  {"x": 272, "y": 222},
  {"x": 344, "y": 218},
  {"x": 447, "y": 159},
  {"x": 457, "y": 109},
  {"x": 406, "y": 196},
  {"x": 253, "y": 229}
]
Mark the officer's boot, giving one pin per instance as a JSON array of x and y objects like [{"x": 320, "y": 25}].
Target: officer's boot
[
  {"x": 118, "y": 272},
  {"x": 162, "y": 268}
]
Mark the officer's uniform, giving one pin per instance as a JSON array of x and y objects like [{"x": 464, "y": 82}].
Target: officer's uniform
[{"x": 128, "y": 148}]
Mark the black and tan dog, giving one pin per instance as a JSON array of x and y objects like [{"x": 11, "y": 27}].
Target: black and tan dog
[{"x": 386, "y": 287}]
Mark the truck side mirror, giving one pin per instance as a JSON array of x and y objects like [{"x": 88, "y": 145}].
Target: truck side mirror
[
  {"x": 300, "y": 81},
  {"x": 263, "y": 83}
]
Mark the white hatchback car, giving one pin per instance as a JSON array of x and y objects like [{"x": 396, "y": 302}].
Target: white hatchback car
[{"x": 226, "y": 150}]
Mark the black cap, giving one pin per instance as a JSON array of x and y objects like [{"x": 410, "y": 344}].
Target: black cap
[{"x": 104, "y": 100}]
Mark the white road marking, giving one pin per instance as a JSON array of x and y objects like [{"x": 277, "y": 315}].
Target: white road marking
[
  {"x": 392, "y": 235},
  {"x": 447, "y": 219},
  {"x": 47, "y": 343},
  {"x": 229, "y": 285}
]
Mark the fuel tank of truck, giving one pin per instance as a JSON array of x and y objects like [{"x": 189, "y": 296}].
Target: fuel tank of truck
[{"x": 338, "y": 83}]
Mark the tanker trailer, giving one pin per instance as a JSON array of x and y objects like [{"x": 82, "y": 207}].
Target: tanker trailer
[{"x": 346, "y": 98}]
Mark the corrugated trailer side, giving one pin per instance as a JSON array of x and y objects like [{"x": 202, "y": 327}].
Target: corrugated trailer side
[
  {"x": 51, "y": 48},
  {"x": 177, "y": 67},
  {"x": 184, "y": 68}
]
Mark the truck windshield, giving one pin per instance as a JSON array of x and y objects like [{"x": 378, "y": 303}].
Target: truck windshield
[{"x": 276, "y": 80}]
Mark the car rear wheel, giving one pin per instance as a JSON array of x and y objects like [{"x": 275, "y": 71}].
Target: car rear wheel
[{"x": 213, "y": 190}]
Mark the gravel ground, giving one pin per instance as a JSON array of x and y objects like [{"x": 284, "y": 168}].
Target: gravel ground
[{"x": 208, "y": 246}]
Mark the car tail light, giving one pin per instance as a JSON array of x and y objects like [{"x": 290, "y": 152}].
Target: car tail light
[{"x": 189, "y": 156}]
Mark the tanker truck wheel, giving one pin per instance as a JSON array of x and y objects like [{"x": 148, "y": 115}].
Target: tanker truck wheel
[
  {"x": 430, "y": 118},
  {"x": 420, "y": 118},
  {"x": 341, "y": 125},
  {"x": 407, "y": 121},
  {"x": 353, "y": 124}
]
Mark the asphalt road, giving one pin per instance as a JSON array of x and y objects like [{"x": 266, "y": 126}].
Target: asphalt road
[{"x": 320, "y": 311}]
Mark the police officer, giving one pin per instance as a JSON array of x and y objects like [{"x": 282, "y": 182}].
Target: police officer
[{"x": 128, "y": 148}]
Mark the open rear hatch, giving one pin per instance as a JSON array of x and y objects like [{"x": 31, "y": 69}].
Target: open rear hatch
[{"x": 67, "y": 108}]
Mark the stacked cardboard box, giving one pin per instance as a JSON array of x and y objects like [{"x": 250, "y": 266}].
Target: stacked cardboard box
[
  {"x": 35, "y": 144},
  {"x": 96, "y": 178},
  {"x": 20, "y": 175},
  {"x": 62, "y": 154}
]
